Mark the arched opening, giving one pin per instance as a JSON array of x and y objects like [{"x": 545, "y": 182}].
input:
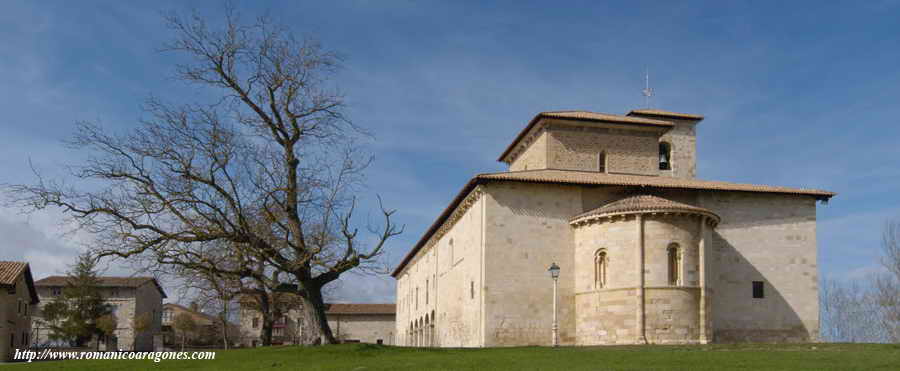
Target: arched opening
[
  {"x": 665, "y": 156},
  {"x": 601, "y": 260},
  {"x": 601, "y": 162},
  {"x": 674, "y": 256}
]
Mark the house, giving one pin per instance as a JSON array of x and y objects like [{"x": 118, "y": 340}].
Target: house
[
  {"x": 209, "y": 330},
  {"x": 18, "y": 299},
  {"x": 132, "y": 299},
  {"x": 365, "y": 323},
  {"x": 647, "y": 253}
]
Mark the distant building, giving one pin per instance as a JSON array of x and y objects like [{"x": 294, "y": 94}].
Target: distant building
[
  {"x": 648, "y": 252},
  {"x": 17, "y": 301},
  {"x": 364, "y": 323},
  {"x": 208, "y": 331},
  {"x": 130, "y": 297}
]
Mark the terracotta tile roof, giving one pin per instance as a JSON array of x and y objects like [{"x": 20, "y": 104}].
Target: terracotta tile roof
[
  {"x": 661, "y": 113},
  {"x": 206, "y": 319},
  {"x": 642, "y": 203},
  {"x": 361, "y": 308},
  {"x": 59, "y": 281},
  {"x": 11, "y": 271},
  {"x": 594, "y": 178},
  {"x": 583, "y": 116}
]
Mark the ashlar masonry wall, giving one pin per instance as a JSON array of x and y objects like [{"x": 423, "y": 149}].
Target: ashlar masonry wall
[
  {"x": 769, "y": 238},
  {"x": 439, "y": 293},
  {"x": 365, "y": 328},
  {"x": 526, "y": 230},
  {"x": 628, "y": 150}
]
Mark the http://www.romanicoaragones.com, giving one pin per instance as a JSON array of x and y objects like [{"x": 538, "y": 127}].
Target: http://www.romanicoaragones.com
[{"x": 48, "y": 354}]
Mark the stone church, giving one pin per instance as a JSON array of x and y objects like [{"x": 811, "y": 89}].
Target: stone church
[{"x": 648, "y": 253}]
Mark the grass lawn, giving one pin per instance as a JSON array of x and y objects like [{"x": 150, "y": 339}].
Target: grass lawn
[{"x": 374, "y": 357}]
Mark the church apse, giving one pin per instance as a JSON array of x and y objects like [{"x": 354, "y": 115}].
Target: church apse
[{"x": 614, "y": 303}]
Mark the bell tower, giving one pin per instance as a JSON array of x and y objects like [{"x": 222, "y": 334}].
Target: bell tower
[{"x": 678, "y": 146}]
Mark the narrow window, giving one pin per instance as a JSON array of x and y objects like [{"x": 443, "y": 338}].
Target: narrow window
[
  {"x": 758, "y": 292},
  {"x": 665, "y": 156},
  {"x": 255, "y": 322},
  {"x": 417, "y": 298},
  {"x": 426, "y": 291},
  {"x": 471, "y": 289},
  {"x": 56, "y": 291},
  {"x": 674, "y": 255},
  {"x": 19, "y": 309},
  {"x": 601, "y": 162},
  {"x": 600, "y": 263}
]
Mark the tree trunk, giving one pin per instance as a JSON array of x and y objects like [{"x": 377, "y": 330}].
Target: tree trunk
[
  {"x": 267, "y": 329},
  {"x": 225, "y": 333},
  {"x": 266, "y": 311},
  {"x": 316, "y": 330}
]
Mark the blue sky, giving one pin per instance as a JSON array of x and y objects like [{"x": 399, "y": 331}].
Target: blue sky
[{"x": 794, "y": 93}]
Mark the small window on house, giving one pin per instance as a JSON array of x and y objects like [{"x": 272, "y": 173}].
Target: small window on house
[
  {"x": 379, "y": 342},
  {"x": 674, "y": 256},
  {"x": 12, "y": 340},
  {"x": 471, "y": 289},
  {"x": 665, "y": 156},
  {"x": 56, "y": 291},
  {"x": 256, "y": 323},
  {"x": 758, "y": 290},
  {"x": 426, "y": 291},
  {"x": 601, "y": 162},
  {"x": 19, "y": 308},
  {"x": 115, "y": 292},
  {"x": 600, "y": 264}
]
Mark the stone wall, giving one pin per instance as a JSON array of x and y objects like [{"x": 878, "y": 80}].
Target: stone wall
[
  {"x": 365, "y": 328},
  {"x": 628, "y": 150},
  {"x": 769, "y": 238},
  {"x": 525, "y": 231},
  {"x": 612, "y": 314},
  {"x": 128, "y": 302},
  {"x": 148, "y": 301},
  {"x": 439, "y": 293},
  {"x": 683, "y": 141},
  {"x": 534, "y": 157},
  {"x": 498, "y": 250},
  {"x": 15, "y": 319}
]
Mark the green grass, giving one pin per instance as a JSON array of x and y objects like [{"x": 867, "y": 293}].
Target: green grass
[{"x": 374, "y": 357}]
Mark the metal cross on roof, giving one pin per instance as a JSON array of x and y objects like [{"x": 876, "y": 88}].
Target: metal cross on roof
[{"x": 648, "y": 91}]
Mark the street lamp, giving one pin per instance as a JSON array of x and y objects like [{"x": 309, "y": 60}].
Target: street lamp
[{"x": 554, "y": 273}]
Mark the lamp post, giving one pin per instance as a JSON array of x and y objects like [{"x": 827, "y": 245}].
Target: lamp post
[{"x": 554, "y": 273}]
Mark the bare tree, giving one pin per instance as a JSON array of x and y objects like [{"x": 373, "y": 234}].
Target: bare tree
[
  {"x": 866, "y": 310},
  {"x": 271, "y": 166},
  {"x": 887, "y": 285},
  {"x": 849, "y": 312}
]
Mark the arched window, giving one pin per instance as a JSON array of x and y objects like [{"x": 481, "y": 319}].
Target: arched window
[
  {"x": 601, "y": 262},
  {"x": 674, "y": 255},
  {"x": 601, "y": 162},
  {"x": 665, "y": 156}
]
